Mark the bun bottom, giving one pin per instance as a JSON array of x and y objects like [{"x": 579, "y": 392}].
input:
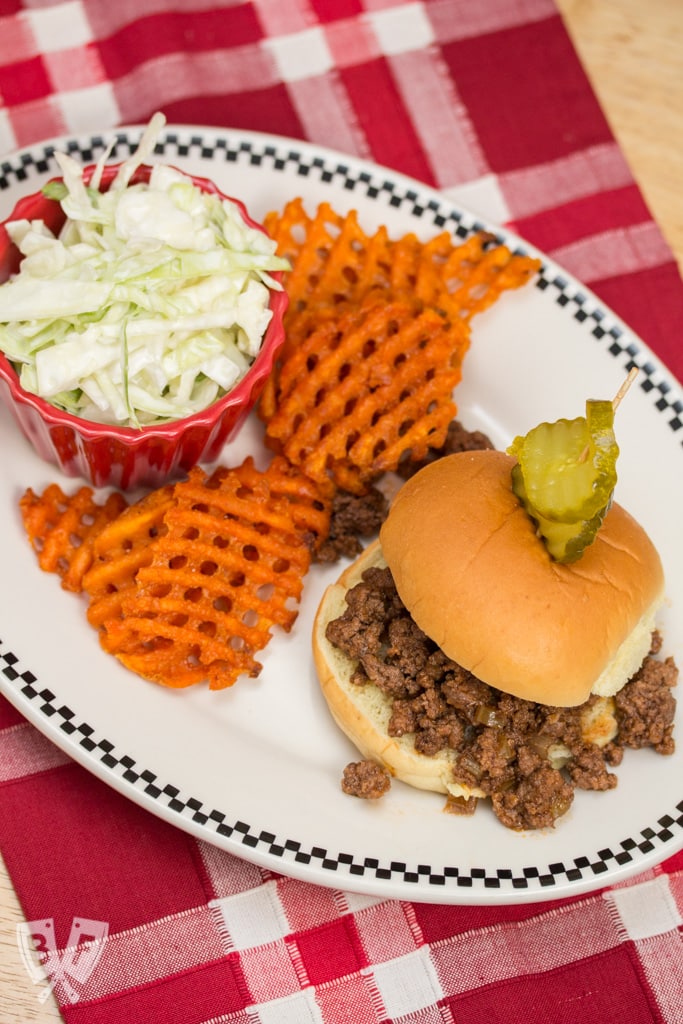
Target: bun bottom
[{"x": 362, "y": 712}]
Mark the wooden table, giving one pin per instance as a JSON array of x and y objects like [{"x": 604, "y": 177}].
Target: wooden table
[{"x": 632, "y": 53}]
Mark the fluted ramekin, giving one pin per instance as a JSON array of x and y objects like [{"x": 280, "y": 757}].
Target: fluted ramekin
[{"x": 128, "y": 457}]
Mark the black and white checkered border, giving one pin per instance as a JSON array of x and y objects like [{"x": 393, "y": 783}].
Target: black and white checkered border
[
  {"x": 275, "y": 157},
  {"x": 192, "y": 812},
  {"x": 617, "y": 342}
]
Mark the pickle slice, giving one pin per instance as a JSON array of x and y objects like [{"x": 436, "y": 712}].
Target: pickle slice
[
  {"x": 566, "y": 473},
  {"x": 569, "y": 467},
  {"x": 565, "y": 542}
]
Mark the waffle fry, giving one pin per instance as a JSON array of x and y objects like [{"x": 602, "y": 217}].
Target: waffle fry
[
  {"x": 227, "y": 566},
  {"x": 333, "y": 262},
  {"x": 336, "y": 267},
  {"x": 360, "y": 393},
  {"x": 62, "y": 529},
  {"x": 120, "y": 550},
  {"x": 185, "y": 584}
]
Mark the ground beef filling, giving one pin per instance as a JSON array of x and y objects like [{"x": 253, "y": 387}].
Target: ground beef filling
[
  {"x": 358, "y": 516},
  {"x": 501, "y": 743},
  {"x": 353, "y": 516},
  {"x": 365, "y": 779}
]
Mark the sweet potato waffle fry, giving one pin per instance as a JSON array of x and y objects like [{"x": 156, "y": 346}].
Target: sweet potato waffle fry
[
  {"x": 62, "y": 529},
  {"x": 120, "y": 550},
  {"x": 225, "y": 564},
  {"x": 336, "y": 267},
  {"x": 360, "y": 392},
  {"x": 335, "y": 263}
]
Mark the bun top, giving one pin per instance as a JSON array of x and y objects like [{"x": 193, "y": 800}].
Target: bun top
[{"x": 476, "y": 578}]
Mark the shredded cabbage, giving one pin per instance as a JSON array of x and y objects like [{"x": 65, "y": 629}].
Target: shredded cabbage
[{"x": 151, "y": 303}]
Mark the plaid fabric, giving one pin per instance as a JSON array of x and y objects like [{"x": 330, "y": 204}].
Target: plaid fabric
[{"x": 484, "y": 99}]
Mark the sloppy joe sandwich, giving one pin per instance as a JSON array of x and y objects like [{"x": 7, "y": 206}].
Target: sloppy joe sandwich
[{"x": 457, "y": 654}]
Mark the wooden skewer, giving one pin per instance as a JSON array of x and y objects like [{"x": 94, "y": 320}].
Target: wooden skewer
[{"x": 633, "y": 373}]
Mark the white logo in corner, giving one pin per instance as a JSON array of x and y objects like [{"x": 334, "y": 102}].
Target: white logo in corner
[{"x": 73, "y": 965}]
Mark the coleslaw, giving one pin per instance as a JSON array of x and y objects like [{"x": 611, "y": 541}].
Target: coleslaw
[{"x": 150, "y": 303}]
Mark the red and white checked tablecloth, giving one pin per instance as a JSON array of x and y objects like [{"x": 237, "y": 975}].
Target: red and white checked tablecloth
[{"x": 450, "y": 92}]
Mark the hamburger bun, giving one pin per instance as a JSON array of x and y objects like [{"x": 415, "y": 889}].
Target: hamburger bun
[{"x": 476, "y": 578}]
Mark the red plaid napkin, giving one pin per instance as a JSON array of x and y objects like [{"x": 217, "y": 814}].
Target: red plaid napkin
[{"x": 450, "y": 92}]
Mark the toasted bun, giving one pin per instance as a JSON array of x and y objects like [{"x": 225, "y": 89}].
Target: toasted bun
[
  {"x": 472, "y": 572},
  {"x": 362, "y": 712}
]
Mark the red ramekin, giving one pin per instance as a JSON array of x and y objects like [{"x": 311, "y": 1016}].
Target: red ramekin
[{"x": 128, "y": 457}]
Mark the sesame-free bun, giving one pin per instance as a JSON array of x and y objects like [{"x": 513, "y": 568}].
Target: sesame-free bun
[
  {"x": 363, "y": 712},
  {"x": 471, "y": 570}
]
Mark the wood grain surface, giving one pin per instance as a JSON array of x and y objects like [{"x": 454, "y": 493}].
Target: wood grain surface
[{"x": 632, "y": 53}]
